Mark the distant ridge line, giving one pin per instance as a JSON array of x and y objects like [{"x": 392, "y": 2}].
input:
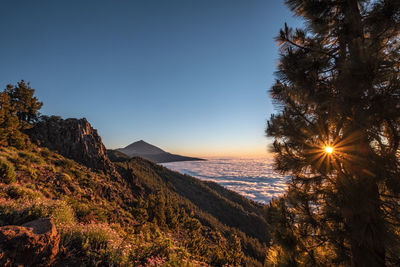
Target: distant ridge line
[{"x": 148, "y": 151}]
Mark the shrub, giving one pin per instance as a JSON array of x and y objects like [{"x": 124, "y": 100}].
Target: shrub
[
  {"x": 82, "y": 210},
  {"x": 77, "y": 173},
  {"x": 65, "y": 163},
  {"x": 31, "y": 186},
  {"x": 101, "y": 214},
  {"x": 155, "y": 261},
  {"x": 98, "y": 242},
  {"x": 17, "y": 212},
  {"x": 65, "y": 178},
  {"x": 17, "y": 192},
  {"x": 33, "y": 173},
  {"x": 45, "y": 152},
  {"x": 51, "y": 168},
  {"x": 88, "y": 181},
  {"x": 7, "y": 172},
  {"x": 30, "y": 157}
]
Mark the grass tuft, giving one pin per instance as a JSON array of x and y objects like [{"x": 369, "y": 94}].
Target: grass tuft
[
  {"x": 30, "y": 157},
  {"x": 7, "y": 172}
]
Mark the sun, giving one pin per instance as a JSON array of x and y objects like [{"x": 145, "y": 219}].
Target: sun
[{"x": 328, "y": 149}]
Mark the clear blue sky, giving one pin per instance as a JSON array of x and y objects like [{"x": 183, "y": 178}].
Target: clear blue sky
[{"x": 190, "y": 76}]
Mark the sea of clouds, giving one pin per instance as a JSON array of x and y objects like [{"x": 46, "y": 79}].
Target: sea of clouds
[{"x": 252, "y": 178}]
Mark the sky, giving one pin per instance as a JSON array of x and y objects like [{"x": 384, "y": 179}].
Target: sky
[{"x": 189, "y": 76}]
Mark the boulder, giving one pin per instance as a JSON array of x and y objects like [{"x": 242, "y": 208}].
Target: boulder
[{"x": 35, "y": 243}]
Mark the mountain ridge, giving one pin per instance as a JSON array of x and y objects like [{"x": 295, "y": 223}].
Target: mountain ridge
[
  {"x": 162, "y": 204},
  {"x": 141, "y": 147},
  {"x": 147, "y": 151},
  {"x": 55, "y": 173}
]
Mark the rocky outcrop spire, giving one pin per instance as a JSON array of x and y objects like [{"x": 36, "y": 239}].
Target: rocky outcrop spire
[{"x": 74, "y": 139}]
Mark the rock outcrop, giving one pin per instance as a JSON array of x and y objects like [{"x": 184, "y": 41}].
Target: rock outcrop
[
  {"x": 74, "y": 139},
  {"x": 33, "y": 244}
]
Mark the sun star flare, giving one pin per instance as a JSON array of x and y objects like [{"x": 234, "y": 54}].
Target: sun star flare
[{"x": 328, "y": 149}]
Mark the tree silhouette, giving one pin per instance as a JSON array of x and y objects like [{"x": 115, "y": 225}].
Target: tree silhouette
[
  {"x": 337, "y": 132},
  {"x": 10, "y": 128},
  {"x": 26, "y": 105},
  {"x": 19, "y": 109}
]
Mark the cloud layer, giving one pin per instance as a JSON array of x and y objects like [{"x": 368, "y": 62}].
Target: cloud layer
[{"x": 252, "y": 178}]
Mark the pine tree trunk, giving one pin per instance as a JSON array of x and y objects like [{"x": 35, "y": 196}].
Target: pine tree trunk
[
  {"x": 362, "y": 214},
  {"x": 364, "y": 219}
]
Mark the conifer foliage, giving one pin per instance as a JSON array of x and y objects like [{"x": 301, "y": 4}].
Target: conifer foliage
[
  {"x": 25, "y": 103},
  {"x": 337, "y": 133},
  {"x": 18, "y": 110}
]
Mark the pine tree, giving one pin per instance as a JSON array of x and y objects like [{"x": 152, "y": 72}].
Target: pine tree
[
  {"x": 19, "y": 109},
  {"x": 25, "y": 103},
  {"x": 10, "y": 128},
  {"x": 337, "y": 131},
  {"x": 234, "y": 250}
]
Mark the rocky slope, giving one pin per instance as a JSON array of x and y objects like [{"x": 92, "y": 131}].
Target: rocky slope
[
  {"x": 141, "y": 213},
  {"x": 64, "y": 203},
  {"x": 75, "y": 139}
]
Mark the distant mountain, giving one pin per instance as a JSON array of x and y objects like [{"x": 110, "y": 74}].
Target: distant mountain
[
  {"x": 141, "y": 148},
  {"x": 147, "y": 151}
]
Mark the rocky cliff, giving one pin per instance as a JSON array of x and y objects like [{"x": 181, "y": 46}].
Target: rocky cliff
[{"x": 73, "y": 138}]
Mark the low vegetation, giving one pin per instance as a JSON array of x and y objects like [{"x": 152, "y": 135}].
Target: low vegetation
[
  {"x": 7, "y": 172},
  {"x": 155, "y": 224},
  {"x": 143, "y": 215}
]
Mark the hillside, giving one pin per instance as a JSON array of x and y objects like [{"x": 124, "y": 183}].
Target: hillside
[
  {"x": 227, "y": 206},
  {"x": 116, "y": 156},
  {"x": 215, "y": 207},
  {"x": 150, "y": 152},
  {"x": 123, "y": 213}
]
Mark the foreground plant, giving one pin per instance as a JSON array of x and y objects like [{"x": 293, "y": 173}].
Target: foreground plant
[{"x": 338, "y": 134}]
